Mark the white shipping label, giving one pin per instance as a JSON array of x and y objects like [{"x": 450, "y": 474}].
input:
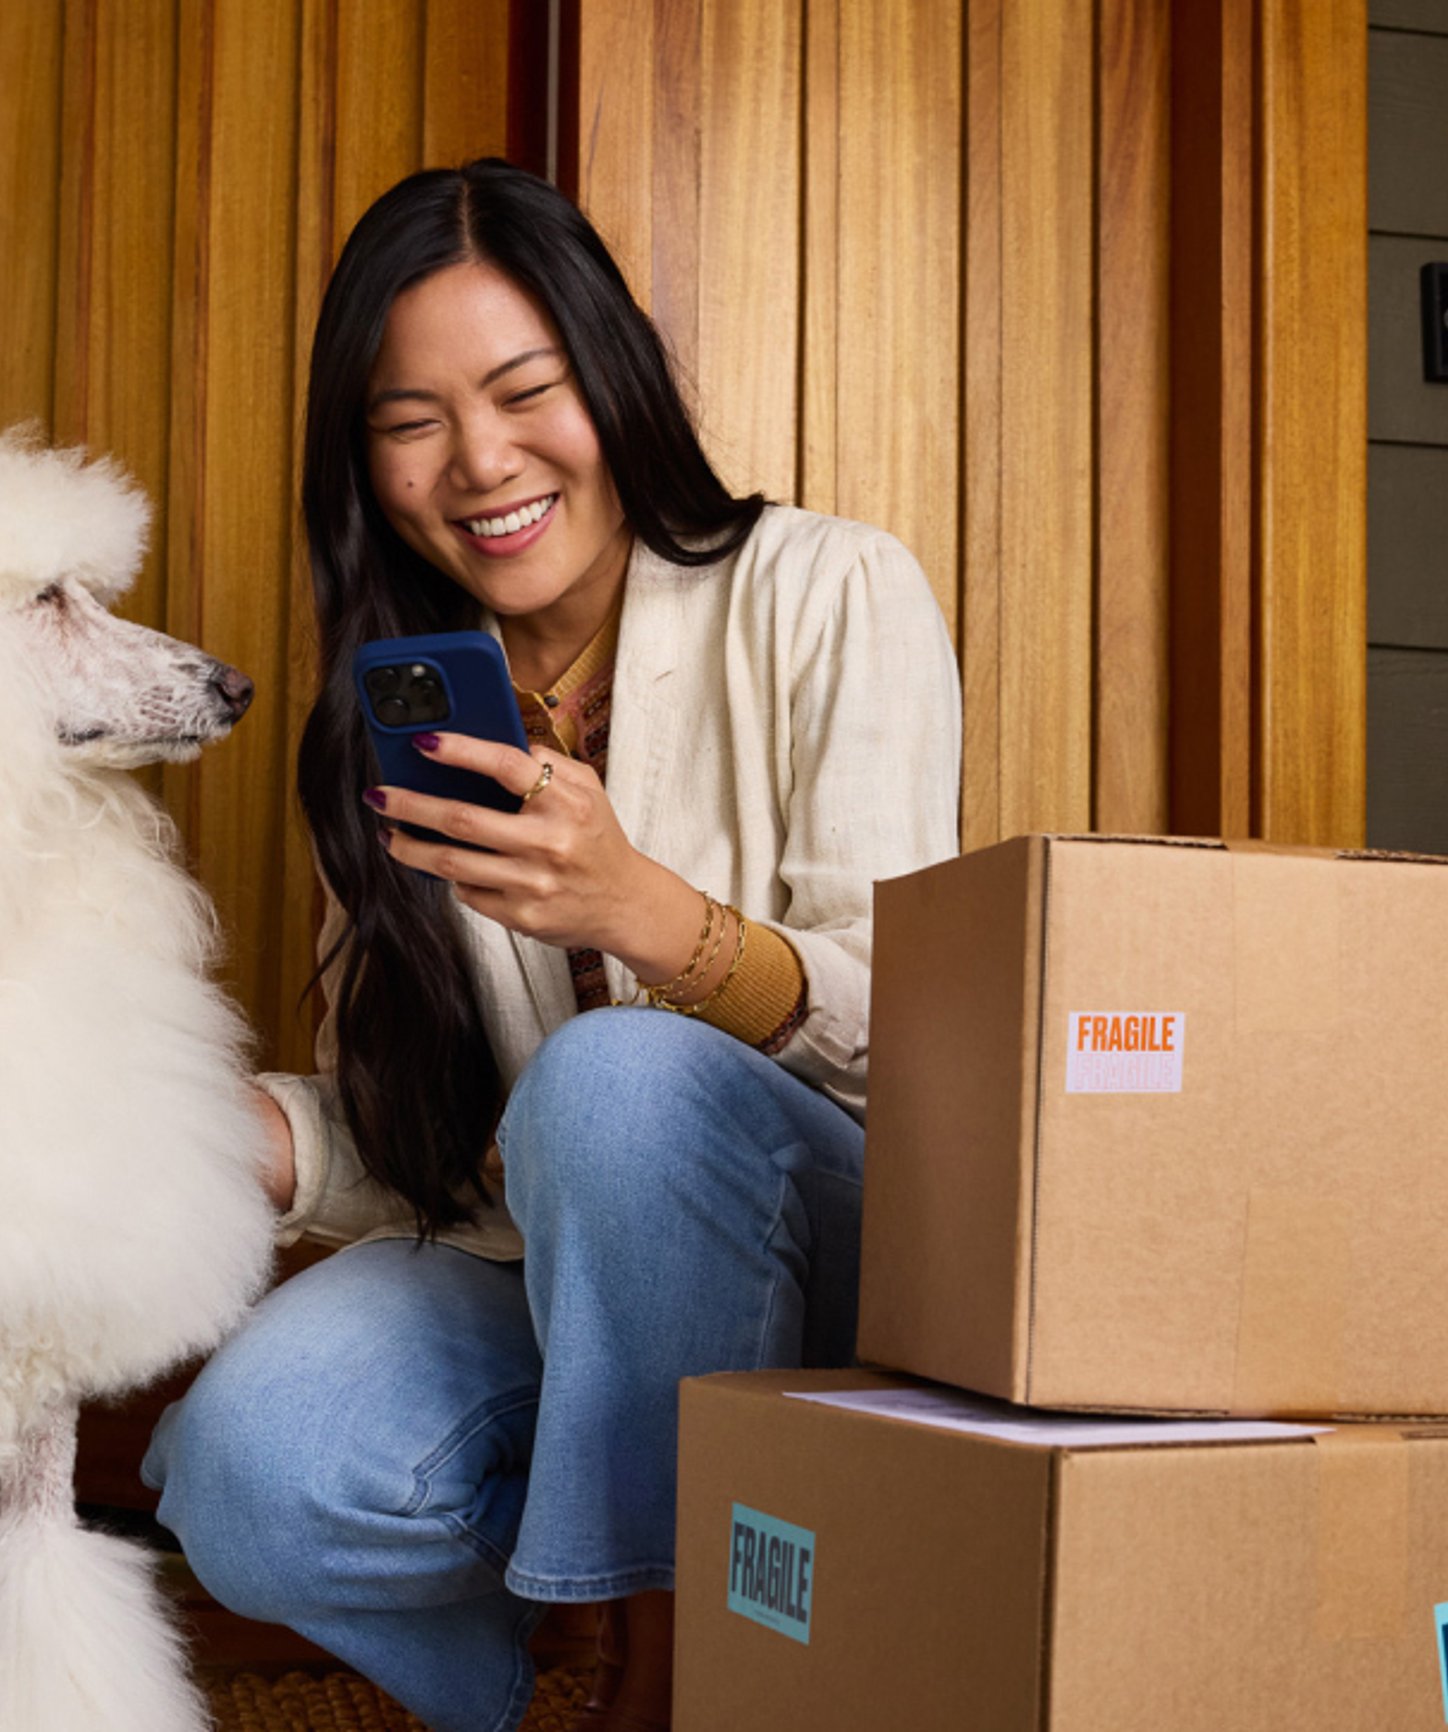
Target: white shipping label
[{"x": 1125, "y": 1052}]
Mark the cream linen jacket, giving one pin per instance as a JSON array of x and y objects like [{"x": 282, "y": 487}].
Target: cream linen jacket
[{"x": 785, "y": 731}]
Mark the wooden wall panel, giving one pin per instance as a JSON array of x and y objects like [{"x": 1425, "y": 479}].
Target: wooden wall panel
[
  {"x": 1211, "y": 324},
  {"x": 747, "y": 79},
  {"x": 113, "y": 319},
  {"x": 235, "y": 451},
  {"x": 820, "y": 228},
  {"x": 911, "y": 259},
  {"x": 30, "y": 77},
  {"x": 381, "y": 54},
  {"x": 980, "y": 483},
  {"x": 1311, "y": 410},
  {"x": 178, "y": 180},
  {"x": 678, "y": 273},
  {"x": 1132, "y": 417},
  {"x": 466, "y": 51},
  {"x": 897, "y": 284},
  {"x": 689, "y": 166},
  {"x": 1047, "y": 271},
  {"x": 614, "y": 175}
]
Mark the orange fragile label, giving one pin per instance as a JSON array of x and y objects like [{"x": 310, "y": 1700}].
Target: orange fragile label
[{"x": 1125, "y": 1052}]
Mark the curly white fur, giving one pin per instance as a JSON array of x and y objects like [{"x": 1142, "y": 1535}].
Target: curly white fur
[{"x": 133, "y": 1229}]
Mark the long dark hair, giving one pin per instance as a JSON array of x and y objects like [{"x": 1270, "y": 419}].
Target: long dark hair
[{"x": 417, "y": 1078}]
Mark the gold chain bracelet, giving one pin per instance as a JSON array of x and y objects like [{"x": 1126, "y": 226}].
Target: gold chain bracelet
[
  {"x": 729, "y": 973},
  {"x": 711, "y": 908}
]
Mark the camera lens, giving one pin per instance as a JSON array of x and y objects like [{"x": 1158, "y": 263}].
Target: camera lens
[
  {"x": 382, "y": 682},
  {"x": 393, "y": 712},
  {"x": 425, "y": 688}
]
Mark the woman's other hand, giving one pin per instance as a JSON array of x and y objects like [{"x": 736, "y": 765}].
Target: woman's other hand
[{"x": 279, "y": 1169}]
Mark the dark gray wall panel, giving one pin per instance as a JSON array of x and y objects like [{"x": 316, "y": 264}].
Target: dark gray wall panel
[
  {"x": 1408, "y": 750},
  {"x": 1408, "y": 546},
  {"x": 1400, "y": 404},
  {"x": 1408, "y": 136},
  {"x": 1410, "y": 14}
]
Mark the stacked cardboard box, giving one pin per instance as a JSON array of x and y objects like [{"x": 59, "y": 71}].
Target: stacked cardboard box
[{"x": 1155, "y": 1128}]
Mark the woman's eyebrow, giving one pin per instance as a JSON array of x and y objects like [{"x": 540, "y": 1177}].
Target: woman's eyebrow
[
  {"x": 407, "y": 394},
  {"x": 517, "y": 361}
]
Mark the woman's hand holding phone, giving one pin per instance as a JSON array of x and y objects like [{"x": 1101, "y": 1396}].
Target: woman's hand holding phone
[{"x": 560, "y": 869}]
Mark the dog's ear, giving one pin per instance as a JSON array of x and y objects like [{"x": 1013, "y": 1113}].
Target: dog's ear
[{"x": 61, "y": 516}]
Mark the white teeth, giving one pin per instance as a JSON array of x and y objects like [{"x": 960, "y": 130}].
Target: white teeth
[{"x": 487, "y": 527}]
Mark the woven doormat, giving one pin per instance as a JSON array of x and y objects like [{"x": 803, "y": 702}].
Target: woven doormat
[{"x": 343, "y": 1702}]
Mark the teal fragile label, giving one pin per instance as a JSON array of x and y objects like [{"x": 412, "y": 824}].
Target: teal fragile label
[
  {"x": 1440, "y": 1624},
  {"x": 771, "y": 1572}
]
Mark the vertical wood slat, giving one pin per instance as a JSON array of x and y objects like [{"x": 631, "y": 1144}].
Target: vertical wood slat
[
  {"x": 1046, "y": 414},
  {"x": 675, "y": 147},
  {"x": 76, "y": 248},
  {"x": 1131, "y": 432},
  {"x": 31, "y": 58},
  {"x": 379, "y": 77},
  {"x": 465, "y": 80},
  {"x": 749, "y": 254},
  {"x": 185, "y": 526},
  {"x": 114, "y": 322},
  {"x": 898, "y": 279},
  {"x": 981, "y": 601},
  {"x": 235, "y": 449},
  {"x": 676, "y": 194},
  {"x": 317, "y": 244},
  {"x": 1312, "y": 409},
  {"x": 681, "y": 101},
  {"x": 820, "y": 227},
  {"x": 615, "y": 127},
  {"x": 1211, "y": 419}
]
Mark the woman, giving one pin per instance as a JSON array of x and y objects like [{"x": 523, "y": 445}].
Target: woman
[{"x": 741, "y": 716}]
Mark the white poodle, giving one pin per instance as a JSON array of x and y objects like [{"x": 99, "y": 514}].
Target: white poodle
[{"x": 133, "y": 1229}]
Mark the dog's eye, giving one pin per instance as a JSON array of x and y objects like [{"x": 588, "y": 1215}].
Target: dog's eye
[{"x": 51, "y": 596}]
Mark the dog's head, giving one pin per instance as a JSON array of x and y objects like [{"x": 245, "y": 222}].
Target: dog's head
[{"x": 72, "y": 534}]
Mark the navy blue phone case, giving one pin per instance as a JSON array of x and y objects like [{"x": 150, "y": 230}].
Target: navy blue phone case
[{"x": 453, "y": 682}]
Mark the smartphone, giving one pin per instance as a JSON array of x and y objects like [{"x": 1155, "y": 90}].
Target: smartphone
[{"x": 454, "y": 681}]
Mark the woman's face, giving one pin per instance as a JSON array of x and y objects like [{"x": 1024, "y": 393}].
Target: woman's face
[{"x": 482, "y": 454}]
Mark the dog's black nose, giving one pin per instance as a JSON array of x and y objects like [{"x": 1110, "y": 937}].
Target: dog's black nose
[{"x": 236, "y": 689}]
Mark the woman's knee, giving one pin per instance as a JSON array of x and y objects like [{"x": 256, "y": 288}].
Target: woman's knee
[
  {"x": 612, "y": 1096},
  {"x": 236, "y": 1492}
]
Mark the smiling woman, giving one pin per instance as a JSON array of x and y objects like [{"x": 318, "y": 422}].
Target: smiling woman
[
  {"x": 484, "y": 459},
  {"x": 739, "y": 717}
]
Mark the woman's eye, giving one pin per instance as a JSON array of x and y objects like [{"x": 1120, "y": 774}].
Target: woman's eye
[
  {"x": 528, "y": 395},
  {"x": 403, "y": 428}
]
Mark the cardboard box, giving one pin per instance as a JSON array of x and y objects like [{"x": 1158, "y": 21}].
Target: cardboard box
[
  {"x": 848, "y": 1572},
  {"x": 1162, "y": 1126}
]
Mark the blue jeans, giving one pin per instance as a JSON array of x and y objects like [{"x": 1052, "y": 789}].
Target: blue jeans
[{"x": 405, "y": 1449}]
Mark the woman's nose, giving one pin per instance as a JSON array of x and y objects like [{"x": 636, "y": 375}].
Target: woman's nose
[{"x": 484, "y": 457}]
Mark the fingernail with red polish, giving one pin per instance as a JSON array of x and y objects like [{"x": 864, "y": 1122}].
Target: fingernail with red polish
[
  {"x": 375, "y": 798},
  {"x": 426, "y": 742}
]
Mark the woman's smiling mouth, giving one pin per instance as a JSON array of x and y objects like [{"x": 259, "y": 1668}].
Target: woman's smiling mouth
[{"x": 508, "y": 531}]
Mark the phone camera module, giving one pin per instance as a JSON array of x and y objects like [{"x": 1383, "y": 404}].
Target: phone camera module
[{"x": 408, "y": 696}]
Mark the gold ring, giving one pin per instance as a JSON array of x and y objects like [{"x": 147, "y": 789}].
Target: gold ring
[{"x": 545, "y": 776}]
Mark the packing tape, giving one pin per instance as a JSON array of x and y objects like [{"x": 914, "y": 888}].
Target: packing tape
[
  {"x": 1294, "y": 1304},
  {"x": 1362, "y": 1532}
]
